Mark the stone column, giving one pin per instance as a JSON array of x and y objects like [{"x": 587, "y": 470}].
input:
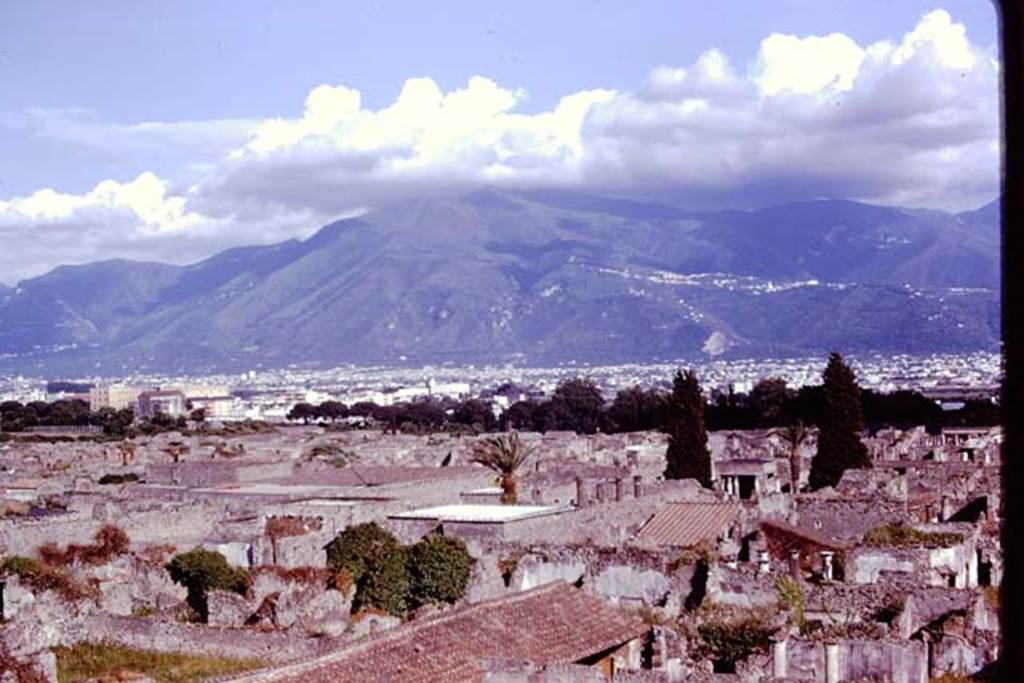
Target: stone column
[
  {"x": 779, "y": 664},
  {"x": 831, "y": 662},
  {"x": 599, "y": 491},
  {"x": 638, "y": 486},
  {"x": 794, "y": 565},
  {"x": 826, "y": 564},
  {"x": 618, "y": 489},
  {"x": 581, "y": 493},
  {"x": 947, "y": 508},
  {"x": 764, "y": 564}
]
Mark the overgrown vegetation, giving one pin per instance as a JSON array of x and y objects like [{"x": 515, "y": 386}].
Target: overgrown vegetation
[
  {"x": 108, "y": 543},
  {"x": 791, "y": 595},
  {"x": 700, "y": 552},
  {"x": 903, "y": 536},
  {"x": 39, "y": 577},
  {"x": 391, "y": 578},
  {"x": 376, "y": 563},
  {"x": 439, "y": 568},
  {"x": 89, "y": 661},
  {"x": 201, "y": 571},
  {"x": 729, "y": 642}
]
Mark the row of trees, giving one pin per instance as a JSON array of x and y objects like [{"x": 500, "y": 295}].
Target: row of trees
[
  {"x": 578, "y": 405},
  {"x": 839, "y": 418},
  {"x": 16, "y": 416}
]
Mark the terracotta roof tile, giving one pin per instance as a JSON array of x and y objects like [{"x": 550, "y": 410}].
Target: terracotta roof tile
[
  {"x": 686, "y": 524},
  {"x": 554, "y": 623}
]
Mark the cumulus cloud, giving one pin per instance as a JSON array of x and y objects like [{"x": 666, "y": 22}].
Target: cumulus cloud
[
  {"x": 139, "y": 219},
  {"x": 912, "y": 121}
]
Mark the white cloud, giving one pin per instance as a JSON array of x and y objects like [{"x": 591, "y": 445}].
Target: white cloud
[
  {"x": 817, "y": 64},
  {"x": 912, "y": 121}
]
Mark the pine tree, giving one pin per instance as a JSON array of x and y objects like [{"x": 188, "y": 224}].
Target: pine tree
[
  {"x": 687, "y": 455},
  {"x": 839, "y": 444}
]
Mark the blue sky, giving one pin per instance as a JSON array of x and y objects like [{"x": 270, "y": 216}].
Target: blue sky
[{"x": 184, "y": 95}]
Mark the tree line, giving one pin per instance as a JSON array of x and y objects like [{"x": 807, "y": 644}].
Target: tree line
[
  {"x": 73, "y": 412},
  {"x": 578, "y": 405}
]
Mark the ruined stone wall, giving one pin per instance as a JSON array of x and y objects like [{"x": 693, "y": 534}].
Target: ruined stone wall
[
  {"x": 180, "y": 526},
  {"x": 166, "y": 636},
  {"x": 845, "y": 517},
  {"x": 889, "y": 660}
]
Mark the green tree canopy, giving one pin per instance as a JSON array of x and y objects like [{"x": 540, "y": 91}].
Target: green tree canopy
[
  {"x": 839, "y": 444},
  {"x": 687, "y": 455},
  {"x": 578, "y": 406},
  {"x": 376, "y": 563},
  {"x": 439, "y": 568},
  {"x": 201, "y": 571}
]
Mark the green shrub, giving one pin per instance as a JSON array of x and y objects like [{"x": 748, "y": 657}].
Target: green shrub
[
  {"x": 439, "y": 568},
  {"x": 385, "y": 585},
  {"x": 351, "y": 548},
  {"x": 376, "y": 562},
  {"x": 903, "y": 536},
  {"x": 791, "y": 594},
  {"x": 730, "y": 642},
  {"x": 201, "y": 571}
]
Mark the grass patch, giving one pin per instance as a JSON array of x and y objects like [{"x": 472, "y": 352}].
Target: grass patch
[
  {"x": 903, "y": 536},
  {"x": 87, "y": 661}
]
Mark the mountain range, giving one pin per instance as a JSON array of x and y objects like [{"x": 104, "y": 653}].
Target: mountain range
[{"x": 533, "y": 277}]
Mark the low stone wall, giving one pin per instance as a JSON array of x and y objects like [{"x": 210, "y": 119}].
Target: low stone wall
[
  {"x": 180, "y": 526},
  {"x": 166, "y": 636}
]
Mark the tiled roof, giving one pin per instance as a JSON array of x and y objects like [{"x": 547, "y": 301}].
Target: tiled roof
[
  {"x": 686, "y": 524},
  {"x": 553, "y": 623}
]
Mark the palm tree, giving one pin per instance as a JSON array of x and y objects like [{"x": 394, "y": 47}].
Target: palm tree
[
  {"x": 505, "y": 455},
  {"x": 794, "y": 435}
]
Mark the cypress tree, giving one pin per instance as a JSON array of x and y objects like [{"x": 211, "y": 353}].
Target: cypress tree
[
  {"x": 687, "y": 455},
  {"x": 839, "y": 444}
]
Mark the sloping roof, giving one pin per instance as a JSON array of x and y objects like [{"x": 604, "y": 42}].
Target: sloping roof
[
  {"x": 553, "y": 623},
  {"x": 810, "y": 535},
  {"x": 686, "y": 524}
]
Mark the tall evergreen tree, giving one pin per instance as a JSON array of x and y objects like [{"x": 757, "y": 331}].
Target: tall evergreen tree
[
  {"x": 839, "y": 444},
  {"x": 687, "y": 455}
]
